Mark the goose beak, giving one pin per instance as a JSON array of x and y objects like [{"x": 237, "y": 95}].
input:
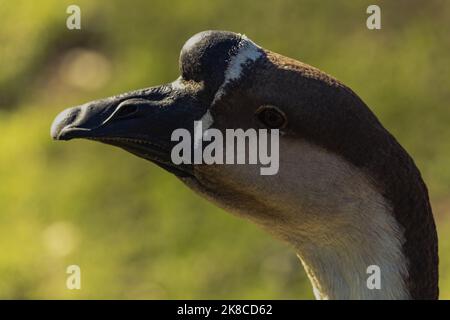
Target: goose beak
[{"x": 141, "y": 122}]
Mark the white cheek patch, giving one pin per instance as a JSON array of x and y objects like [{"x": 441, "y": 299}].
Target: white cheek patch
[
  {"x": 177, "y": 84},
  {"x": 201, "y": 126},
  {"x": 248, "y": 52},
  {"x": 207, "y": 120}
]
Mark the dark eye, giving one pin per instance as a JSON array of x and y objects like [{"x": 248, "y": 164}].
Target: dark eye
[{"x": 271, "y": 117}]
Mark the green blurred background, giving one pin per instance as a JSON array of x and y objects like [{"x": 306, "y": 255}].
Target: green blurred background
[{"x": 136, "y": 231}]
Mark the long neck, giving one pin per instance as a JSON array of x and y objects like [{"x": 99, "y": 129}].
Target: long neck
[
  {"x": 365, "y": 228},
  {"x": 361, "y": 261},
  {"x": 332, "y": 117},
  {"x": 343, "y": 228},
  {"x": 342, "y": 221}
]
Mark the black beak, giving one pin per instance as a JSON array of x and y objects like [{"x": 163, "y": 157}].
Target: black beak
[{"x": 140, "y": 122}]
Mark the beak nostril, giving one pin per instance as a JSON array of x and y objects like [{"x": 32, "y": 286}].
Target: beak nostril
[{"x": 125, "y": 111}]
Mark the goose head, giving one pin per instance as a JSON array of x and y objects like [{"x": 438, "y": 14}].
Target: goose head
[{"x": 344, "y": 194}]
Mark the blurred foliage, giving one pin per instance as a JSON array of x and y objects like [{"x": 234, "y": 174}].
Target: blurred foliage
[{"x": 135, "y": 230}]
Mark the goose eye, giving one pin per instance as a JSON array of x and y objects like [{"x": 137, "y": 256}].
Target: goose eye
[{"x": 272, "y": 117}]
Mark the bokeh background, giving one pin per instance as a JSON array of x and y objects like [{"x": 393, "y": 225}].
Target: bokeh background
[{"x": 136, "y": 231}]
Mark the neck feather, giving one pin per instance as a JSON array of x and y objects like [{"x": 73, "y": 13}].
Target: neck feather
[
  {"x": 340, "y": 218},
  {"x": 348, "y": 267}
]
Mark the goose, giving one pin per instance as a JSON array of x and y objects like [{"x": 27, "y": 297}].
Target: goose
[{"x": 346, "y": 197}]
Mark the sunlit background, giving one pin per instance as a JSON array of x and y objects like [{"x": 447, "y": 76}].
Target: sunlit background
[{"x": 136, "y": 231}]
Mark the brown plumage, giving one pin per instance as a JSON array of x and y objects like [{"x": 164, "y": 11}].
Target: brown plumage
[{"x": 347, "y": 192}]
